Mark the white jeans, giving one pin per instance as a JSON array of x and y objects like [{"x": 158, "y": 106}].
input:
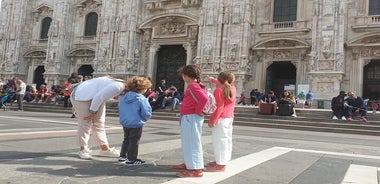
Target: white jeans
[{"x": 222, "y": 140}]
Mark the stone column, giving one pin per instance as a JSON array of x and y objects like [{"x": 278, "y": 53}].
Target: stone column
[
  {"x": 189, "y": 53},
  {"x": 152, "y": 58}
]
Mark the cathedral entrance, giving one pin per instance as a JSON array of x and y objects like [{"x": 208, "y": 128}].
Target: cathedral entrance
[
  {"x": 280, "y": 74},
  {"x": 85, "y": 70},
  {"x": 371, "y": 80},
  {"x": 38, "y": 77},
  {"x": 171, "y": 58}
]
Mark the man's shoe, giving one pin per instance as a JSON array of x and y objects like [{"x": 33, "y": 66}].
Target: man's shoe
[
  {"x": 85, "y": 154},
  {"x": 334, "y": 117},
  {"x": 344, "y": 118},
  {"x": 112, "y": 152}
]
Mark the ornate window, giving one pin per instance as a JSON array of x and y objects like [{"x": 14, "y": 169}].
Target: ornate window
[
  {"x": 285, "y": 10},
  {"x": 374, "y": 7},
  {"x": 91, "y": 24},
  {"x": 45, "y": 27}
]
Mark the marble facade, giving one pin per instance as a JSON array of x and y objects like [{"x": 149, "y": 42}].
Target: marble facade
[{"x": 330, "y": 43}]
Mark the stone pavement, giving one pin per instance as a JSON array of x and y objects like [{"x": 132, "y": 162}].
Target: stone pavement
[{"x": 40, "y": 148}]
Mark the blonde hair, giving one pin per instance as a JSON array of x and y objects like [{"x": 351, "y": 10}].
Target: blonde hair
[
  {"x": 226, "y": 78},
  {"x": 138, "y": 84}
]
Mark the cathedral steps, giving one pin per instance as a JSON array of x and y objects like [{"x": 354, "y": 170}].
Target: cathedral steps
[{"x": 308, "y": 119}]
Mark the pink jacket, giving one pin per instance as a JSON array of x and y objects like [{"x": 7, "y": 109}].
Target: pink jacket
[
  {"x": 188, "y": 103},
  {"x": 225, "y": 108}
]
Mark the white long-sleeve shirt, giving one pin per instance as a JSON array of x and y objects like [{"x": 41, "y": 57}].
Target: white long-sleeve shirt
[{"x": 97, "y": 90}]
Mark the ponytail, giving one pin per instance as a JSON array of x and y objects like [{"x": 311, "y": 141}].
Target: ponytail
[{"x": 227, "y": 91}]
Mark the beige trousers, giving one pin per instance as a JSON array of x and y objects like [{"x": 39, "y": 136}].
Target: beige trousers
[{"x": 86, "y": 128}]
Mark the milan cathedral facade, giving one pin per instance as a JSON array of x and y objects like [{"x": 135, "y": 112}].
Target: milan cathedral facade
[{"x": 320, "y": 45}]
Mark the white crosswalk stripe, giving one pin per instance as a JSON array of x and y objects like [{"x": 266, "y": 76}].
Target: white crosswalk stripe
[
  {"x": 360, "y": 174},
  {"x": 234, "y": 167}
]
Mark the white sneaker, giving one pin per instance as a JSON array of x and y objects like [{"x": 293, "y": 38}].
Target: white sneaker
[
  {"x": 344, "y": 118},
  {"x": 85, "y": 154},
  {"x": 334, "y": 117},
  {"x": 112, "y": 152}
]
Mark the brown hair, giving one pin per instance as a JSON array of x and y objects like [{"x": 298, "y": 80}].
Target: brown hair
[
  {"x": 137, "y": 84},
  {"x": 192, "y": 71},
  {"x": 226, "y": 78}
]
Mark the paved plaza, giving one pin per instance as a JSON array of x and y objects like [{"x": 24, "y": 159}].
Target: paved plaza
[{"x": 38, "y": 147}]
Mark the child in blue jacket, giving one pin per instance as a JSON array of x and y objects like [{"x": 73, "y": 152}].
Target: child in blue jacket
[{"x": 134, "y": 111}]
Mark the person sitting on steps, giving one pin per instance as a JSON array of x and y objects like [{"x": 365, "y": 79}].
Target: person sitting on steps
[
  {"x": 355, "y": 104},
  {"x": 337, "y": 106}
]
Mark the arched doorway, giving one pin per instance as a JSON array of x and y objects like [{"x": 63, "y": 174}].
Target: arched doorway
[
  {"x": 280, "y": 74},
  {"x": 85, "y": 70},
  {"x": 171, "y": 58},
  {"x": 371, "y": 80},
  {"x": 38, "y": 77}
]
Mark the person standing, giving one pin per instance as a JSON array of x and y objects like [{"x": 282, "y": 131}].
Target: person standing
[
  {"x": 88, "y": 99},
  {"x": 301, "y": 99},
  {"x": 252, "y": 95},
  {"x": 309, "y": 99},
  {"x": 134, "y": 111},
  {"x": 20, "y": 92},
  {"x": 221, "y": 121},
  {"x": 191, "y": 122}
]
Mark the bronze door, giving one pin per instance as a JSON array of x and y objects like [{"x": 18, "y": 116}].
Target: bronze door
[{"x": 170, "y": 59}]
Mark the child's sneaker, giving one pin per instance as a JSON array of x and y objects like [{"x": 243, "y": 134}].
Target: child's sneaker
[
  {"x": 122, "y": 160},
  {"x": 112, "y": 152},
  {"x": 349, "y": 118},
  {"x": 363, "y": 118},
  {"x": 344, "y": 118},
  {"x": 135, "y": 162},
  {"x": 334, "y": 117}
]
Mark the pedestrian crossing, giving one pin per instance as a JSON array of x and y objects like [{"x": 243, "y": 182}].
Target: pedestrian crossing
[{"x": 356, "y": 174}]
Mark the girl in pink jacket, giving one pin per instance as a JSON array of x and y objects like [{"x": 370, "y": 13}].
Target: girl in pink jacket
[
  {"x": 192, "y": 118},
  {"x": 221, "y": 120}
]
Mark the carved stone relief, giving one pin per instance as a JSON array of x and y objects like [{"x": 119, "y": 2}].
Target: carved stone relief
[
  {"x": 282, "y": 54},
  {"x": 87, "y": 6},
  {"x": 42, "y": 11},
  {"x": 326, "y": 65},
  {"x": 372, "y": 39},
  {"x": 169, "y": 28},
  {"x": 325, "y": 87}
]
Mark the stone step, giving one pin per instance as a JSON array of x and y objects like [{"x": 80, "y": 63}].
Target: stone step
[{"x": 308, "y": 119}]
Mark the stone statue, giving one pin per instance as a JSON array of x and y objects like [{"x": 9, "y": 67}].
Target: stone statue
[{"x": 121, "y": 51}]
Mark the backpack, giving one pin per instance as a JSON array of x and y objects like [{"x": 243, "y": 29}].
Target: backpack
[{"x": 210, "y": 105}]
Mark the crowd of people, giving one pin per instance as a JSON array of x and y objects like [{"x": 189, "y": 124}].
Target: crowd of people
[{"x": 137, "y": 100}]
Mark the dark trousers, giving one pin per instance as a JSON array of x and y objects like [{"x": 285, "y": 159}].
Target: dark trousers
[
  {"x": 66, "y": 101},
  {"x": 351, "y": 110},
  {"x": 253, "y": 100},
  {"x": 20, "y": 98},
  {"x": 130, "y": 146},
  {"x": 339, "y": 111}
]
